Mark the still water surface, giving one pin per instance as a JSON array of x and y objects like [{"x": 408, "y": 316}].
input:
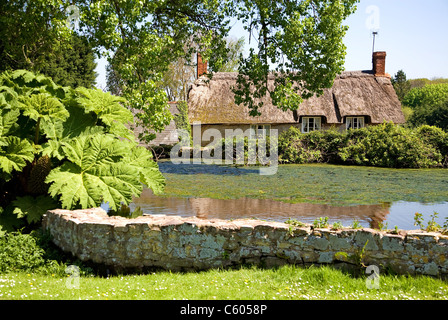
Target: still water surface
[{"x": 400, "y": 214}]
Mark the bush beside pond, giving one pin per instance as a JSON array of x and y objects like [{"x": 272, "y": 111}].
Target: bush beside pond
[{"x": 385, "y": 145}]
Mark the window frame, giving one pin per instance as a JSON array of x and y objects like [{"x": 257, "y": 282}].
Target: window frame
[
  {"x": 316, "y": 123},
  {"x": 350, "y": 122}
]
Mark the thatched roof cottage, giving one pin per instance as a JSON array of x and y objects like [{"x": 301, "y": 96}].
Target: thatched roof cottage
[{"x": 357, "y": 99}]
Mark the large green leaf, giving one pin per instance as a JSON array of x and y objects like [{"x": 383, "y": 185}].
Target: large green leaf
[
  {"x": 33, "y": 208},
  {"x": 109, "y": 110},
  {"x": 95, "y": 174},
  {"x": 8, "y": 97},
  {"x": 148, "y": 169},
  {"x": 27, "y": 83},
  {"x": 91, "y": 151},
  {"x": 43, "y": 106},
  {"x": 15, "y": 154},
  {"x": 8, "y": 118},
  {"x": 58, "y": 132}
]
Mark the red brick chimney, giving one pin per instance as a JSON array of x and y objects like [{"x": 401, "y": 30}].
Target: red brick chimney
[
  {"x": 202, "y": 66},
  {"x": 379, "y": 64}
]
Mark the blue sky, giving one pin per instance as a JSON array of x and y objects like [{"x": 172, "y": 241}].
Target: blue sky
[{"x": 414, "y": 33}]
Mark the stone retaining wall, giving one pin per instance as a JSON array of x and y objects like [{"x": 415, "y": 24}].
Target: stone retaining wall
[{"x": 176, "y": 243}]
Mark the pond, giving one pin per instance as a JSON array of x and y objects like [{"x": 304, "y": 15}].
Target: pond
[
  {"x": 373, "y": 196},
  {"x": 400, "y": 214}
]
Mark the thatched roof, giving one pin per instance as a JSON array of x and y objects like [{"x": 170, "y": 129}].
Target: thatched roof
[{"x": 353, "y": 93}]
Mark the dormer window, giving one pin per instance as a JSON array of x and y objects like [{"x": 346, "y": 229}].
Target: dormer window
[
  {"x": 311, "y": 124},
  {"x": 355, "y": 122}
]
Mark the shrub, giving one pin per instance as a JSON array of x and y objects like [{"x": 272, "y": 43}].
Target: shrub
[
  {"x": 437, "y": 138},
  {"x": 19, "y": 252},
  {"x": 388, "y": 145},
  {"x": 34, "y": 252},
  {"x": 64, "y": 147},
  {"x": 316, "y": 146},
  {"x": 385, "y": 145}
]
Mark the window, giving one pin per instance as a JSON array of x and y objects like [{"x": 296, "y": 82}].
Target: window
[
  {"x": 310, "y": 124},
  {"x": 259, "y": 131},
  {"x": 354, "y": 122}
]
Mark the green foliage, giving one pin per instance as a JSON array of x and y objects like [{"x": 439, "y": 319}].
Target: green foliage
[
  {"x": 141, "y": 39},
  {"x": 432, "y": 225},
  {"x": 418, "y": 220},
  {"x": 387, "y": 145},
  {"x": 321, "y": 222},
  {"x": 235, "y": 49},
  {"x": 32, "y": 253},
  {"x": 384, "y": 145},
  {"x": 31, "y": 33},
  {"x": 316, "y": 146},
  {"x": 401, "y": 85},
  {"x": 435, "y": 137},
  {"x": 63, "y": 147},
  {"x": 434, "y": 115},
  {"x": 181, "y": 119},
  {"x": 429, "y": 105},
  {"x": 356, "y": 225},
  {"x": 301, "y": 39},
  {"x": 421, "y": 82},
  {"x": 72, "y": 64},
  {"x": 19, "y": 252},
  {"x": 125, "y": 211},
  {"x": 94, "y": 172},
  {"x": 429, "y": 95},
  {"x": 34, "y": 36},
  {"x": 295, "y": 223},
  {"x": 337, "y": 226},
  {"x": 33, "y": 208}
]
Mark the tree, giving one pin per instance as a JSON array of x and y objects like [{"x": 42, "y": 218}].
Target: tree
[
  {"x": 429, "y": 105},
  {"x": 302, "y": 40},
  {"x": 235, "y": 50},
  {"x": 181, "y": 73},
  {"x": 401, "y": 85},
  {"x": 141, "y": 39},
  {"x": 428, "y": 96},
  {"x": 178, "y": 79},
  {"x": 433, "y": 115},
  {"x": 34, "y": 36},
  {"x": 72, "y": 66},
  {"x": 30, "y": 32}
]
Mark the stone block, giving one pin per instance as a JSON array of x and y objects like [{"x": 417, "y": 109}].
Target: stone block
[
  {"x": 317, "y": 243},
  {"x": 393, "y": 243},
  {"x": 326, "y": 257},
  {"x": 339, "y": 244},
  {"x": 367, "y": 238}
]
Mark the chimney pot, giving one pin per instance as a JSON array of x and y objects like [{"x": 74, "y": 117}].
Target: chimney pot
[
  {"x": 379, "y": 63},
  {"x": 202, "y": 66}
]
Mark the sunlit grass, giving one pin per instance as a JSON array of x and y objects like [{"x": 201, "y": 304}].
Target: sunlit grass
[{"x": 287, "y": 282}]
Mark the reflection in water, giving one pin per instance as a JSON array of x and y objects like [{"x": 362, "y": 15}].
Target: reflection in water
[
  {"x": 206, "y": 208},
  {"x": 400, "y": 214}
]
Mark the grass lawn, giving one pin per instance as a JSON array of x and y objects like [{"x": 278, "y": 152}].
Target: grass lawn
[
  {"x": 317, "y": 183},
  {"x": 287, "y": 282}
]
